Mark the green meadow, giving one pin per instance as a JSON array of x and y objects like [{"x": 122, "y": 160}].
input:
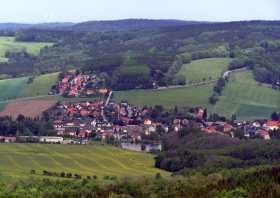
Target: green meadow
[
  {"x": 242, "y": 96},
  {"x": 187, "y": 96},
  {"x": 247, "y": 98},
  {"x": 204, "y": 69},
  {"x": 11, "y": 89},
  {"x": 41, "y": 85},
  {"x": 9, "y": 44},
  {"x": 17, "y": 160}
]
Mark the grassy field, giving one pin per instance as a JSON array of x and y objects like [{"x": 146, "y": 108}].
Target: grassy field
[
  {"x": 40, "y": 86},
  {"x": 191, "y": 96},
  {"x": 247, "y": 99},
  {"x": 11, "y": 89},
  {"x": 209, "y": 68},
  {"x": 9, "y": 44},
  {"x": 18, "y": 159}
]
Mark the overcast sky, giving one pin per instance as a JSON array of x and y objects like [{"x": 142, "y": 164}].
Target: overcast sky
[{"x": 83, "y": 10}]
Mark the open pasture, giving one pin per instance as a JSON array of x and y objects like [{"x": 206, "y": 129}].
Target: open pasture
[
  {"x": 17, "y": 160},
  {"x": 204, "y": 69},
  {"x": 247, "y": 98}
]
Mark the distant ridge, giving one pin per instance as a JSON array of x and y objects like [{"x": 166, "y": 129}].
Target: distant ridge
[
  {"x": 119, "y": 25},
  {"x": 19, "y": 26},
  {"x": 128, "y": 24},
  {"x": 100, "y": 26}
]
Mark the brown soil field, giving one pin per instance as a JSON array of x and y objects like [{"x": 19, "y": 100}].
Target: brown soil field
[{"x": 28, "y": 108}]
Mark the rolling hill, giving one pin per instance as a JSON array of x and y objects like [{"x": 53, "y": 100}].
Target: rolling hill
[
  {"x": 41, "y": 85},
  {"x": 187, "y": 96},
  {"x": 17, "y": 160},
  {"x": 19, "y": 26},
  {"x": 9, "y": 44},
  {"x": 204, "y": 69},
  {"x": 127, "y": 24},
  {"x": 247, "y": 98}
]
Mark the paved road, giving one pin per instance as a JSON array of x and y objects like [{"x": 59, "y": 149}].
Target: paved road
[{"x": 109, "y": 98}]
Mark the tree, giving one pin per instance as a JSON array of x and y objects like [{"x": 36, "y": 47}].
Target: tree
[
  {"x": 179, "y": 80},
  {"x": 233, "y": 117},
  {"x": 213, "y": 99},
  {"x": 205, "y": 115},
  {"x": 275, "y": 116}
]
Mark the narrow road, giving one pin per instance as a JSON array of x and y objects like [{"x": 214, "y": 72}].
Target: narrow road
[
  {"x": 228, "y": 72},
  {"x": 109, "y": 98},
  {"x": 225, "y": 75},
  {"x": 187, "y": 85},
  {"x": 106, "y": 104}
]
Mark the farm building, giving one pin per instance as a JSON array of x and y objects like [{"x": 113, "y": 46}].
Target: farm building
[{"x": 46, "y": 139}]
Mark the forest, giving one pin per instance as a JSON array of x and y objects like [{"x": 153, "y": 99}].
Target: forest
[
  {"x": 164, "y": 50},
  {"x": 23, "y": 126},
  {"x": 260, "y": 182},
  {"x": 190, "y": 151}
]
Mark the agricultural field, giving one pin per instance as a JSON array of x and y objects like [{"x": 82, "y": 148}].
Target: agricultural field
[
  {"x": 9, "y": 44},
  {"x": 28, "y": 108},
  {"x": 41, "y": 85},
  {"x": 17, "y": 160},
  {"x": 11, "y": 89},
  {"x": 204, "y": 69},
  {"x": 246, "y": 98},
  {"x": 187, "y": 96}
]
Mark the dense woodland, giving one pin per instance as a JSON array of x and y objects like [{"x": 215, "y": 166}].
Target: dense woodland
[
  {"x": 261, "y": 182},
  {"x": 163, "y": 50},
  {"x": 190, "y": 151},
  {"x": 23, "y": 126}
]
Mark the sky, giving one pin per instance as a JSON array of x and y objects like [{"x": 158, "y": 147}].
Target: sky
[{"x": 34, "y": 11}]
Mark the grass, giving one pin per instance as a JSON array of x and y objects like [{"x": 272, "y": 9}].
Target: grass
[
  {"x": 131, "y": 67},
  {"x": 190, "y": 96},
  {"x": 40, "y": 86},
  {"x": 209, "y": 68},
  {"x": 247, "y": 99},
  {"x": 17, "y": 160},
  {"x": 9, "y": 44},
  {"x": 11, "y": 89}
]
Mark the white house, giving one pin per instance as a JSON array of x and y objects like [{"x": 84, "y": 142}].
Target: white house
[{"x": 51, "y": 139}]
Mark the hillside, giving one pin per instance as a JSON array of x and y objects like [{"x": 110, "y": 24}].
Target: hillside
[
  {"x": 17, "y": 160},
  {"x": 204, "y": 69},
  {"x": 41, "y": 85},
  {"x": 247, "y": 98},
  {"x": 9, "y": 44},
  {"x": 19, "y": 26},
  {"x": 188, "y": 96},
  {"x": 127, "y": 24},
  {"x": 160, "y": 48}
]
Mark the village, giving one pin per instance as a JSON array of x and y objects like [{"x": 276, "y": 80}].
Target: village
[
  {"x": 129, "y": 126},
  {"x": 76, "y": 84}
]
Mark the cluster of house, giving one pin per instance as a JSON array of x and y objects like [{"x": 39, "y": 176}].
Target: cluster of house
[
  {"x": 74, "y": 84},
  {"x": 250, "y": 129},
  {"x": 78, "y": 122},
  {"x": 95, "y": 119},
  {"x": 131, "y": 123}
]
